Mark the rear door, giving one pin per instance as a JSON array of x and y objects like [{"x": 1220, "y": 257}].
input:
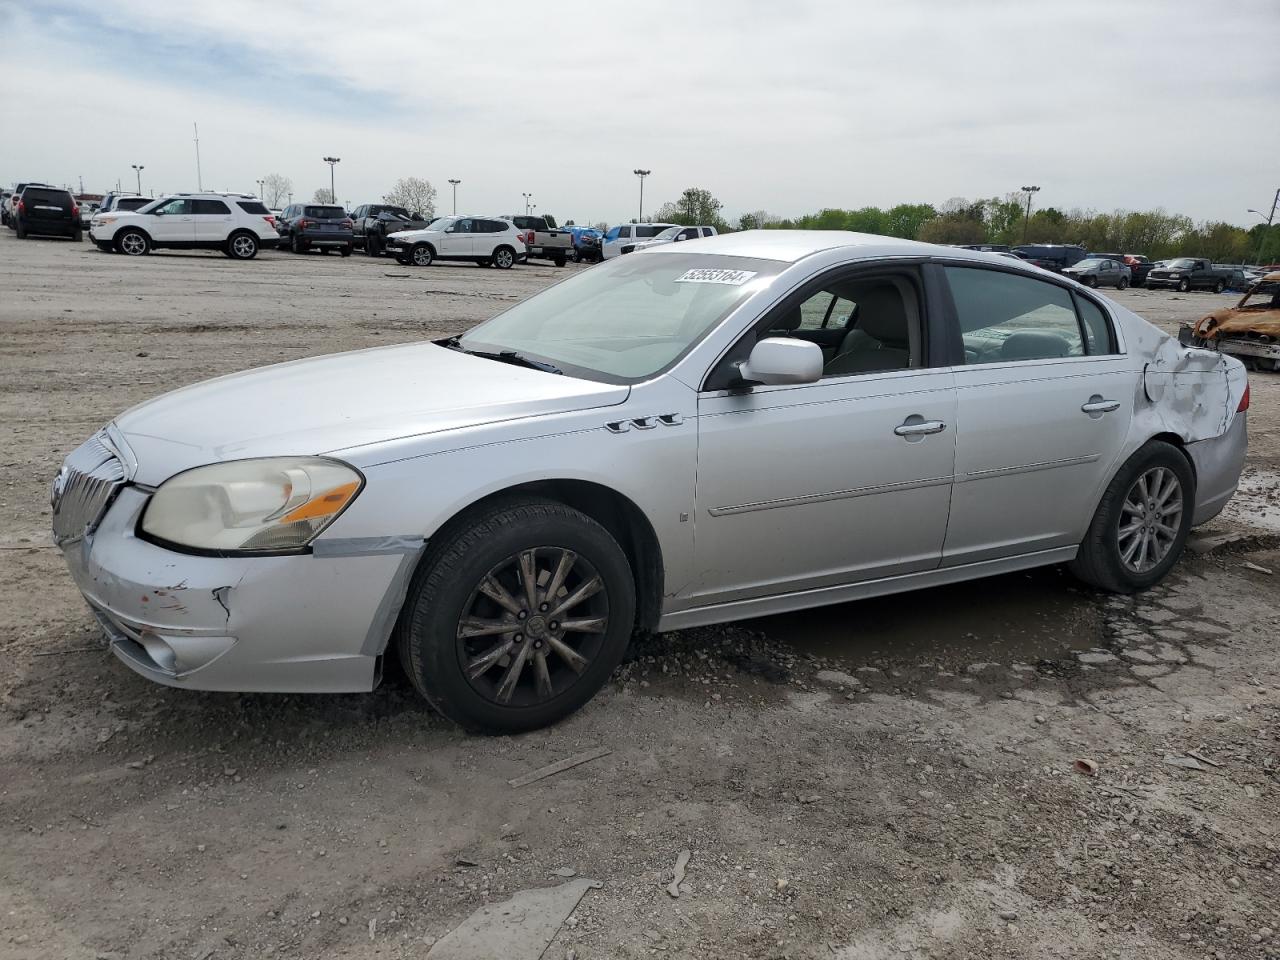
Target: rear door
[
  {"x": 213, "y": 220},
  {"x": 1045, "y": 401}
]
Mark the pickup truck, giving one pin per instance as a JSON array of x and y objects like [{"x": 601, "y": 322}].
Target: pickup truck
[
  {"x": 543, "y": 239},
  {"x": 1188, "y": 273},
  {"x": 372, "y": 223}
]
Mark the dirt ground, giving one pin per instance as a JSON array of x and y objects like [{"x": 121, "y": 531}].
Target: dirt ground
[{"x": 889, "y": 778}]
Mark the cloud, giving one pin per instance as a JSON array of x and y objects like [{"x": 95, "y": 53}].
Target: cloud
[{"x": 787, "y": 107}]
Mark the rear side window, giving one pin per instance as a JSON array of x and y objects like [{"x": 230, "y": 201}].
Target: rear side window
[
  {"x": 132, "y": 203},
  {"x": 1097, "y": 332},
  {"x": 253, "y": 206},
  {"x": 324, "y": 213},
  {"x": 211, "y": 208},
  {"x": 647, "y": 231},
  {"x": 1005, "y": 317}
]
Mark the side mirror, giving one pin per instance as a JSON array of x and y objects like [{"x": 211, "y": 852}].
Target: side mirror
[
  {"x": 781, "y": 360},
  {"x": 678, "y": 237}
]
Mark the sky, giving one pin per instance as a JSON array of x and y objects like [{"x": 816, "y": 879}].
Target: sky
[{"x": 785, "y": 107}]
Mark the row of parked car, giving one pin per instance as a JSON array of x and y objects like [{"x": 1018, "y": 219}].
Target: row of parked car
[
  {"x": 240, "y": 225},
  {"x": 1121, "y": 270}
]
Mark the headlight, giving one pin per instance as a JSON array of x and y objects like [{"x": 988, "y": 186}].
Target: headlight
[
  {"x": 1175, "y": 276},
  {"x": 251, "y": 506}
]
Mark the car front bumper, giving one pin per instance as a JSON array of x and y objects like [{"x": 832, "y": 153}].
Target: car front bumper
[{"x": 309, "y": 623}]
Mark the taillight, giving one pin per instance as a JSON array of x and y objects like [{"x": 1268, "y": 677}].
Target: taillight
[
  {"x": 1244, "y": 401},
  {"x": 349, "y": 223},
  {"x": 303, "y": 224},
  {"x": 75, "y": 211},
  {"x": 22, "y": 206},
  {"x": 528, "y": 238},
  {"x": 271, "y": 220}
]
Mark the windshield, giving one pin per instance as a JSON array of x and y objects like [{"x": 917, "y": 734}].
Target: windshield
[
  {"x": 627, "y": 318},
  {"x": 1182, "y": 264},
  {"x": 669, "y": 233},
  {"x": 1087, "y": 264}
]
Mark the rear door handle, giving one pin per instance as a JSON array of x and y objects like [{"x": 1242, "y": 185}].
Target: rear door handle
[
  {"x": 1097, "y": 405},
  {"x": 916, "y": 426}
]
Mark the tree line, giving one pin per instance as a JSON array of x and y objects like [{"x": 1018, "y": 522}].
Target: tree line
[{"x": 1003, "y": 220}]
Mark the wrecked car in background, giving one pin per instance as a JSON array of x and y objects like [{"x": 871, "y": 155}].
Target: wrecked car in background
[
  {"x": 838, "y": 416},
  {"x": 1250, "y": 330}
]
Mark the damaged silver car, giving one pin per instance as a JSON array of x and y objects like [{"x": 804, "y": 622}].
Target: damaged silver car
[{"x": 696, "y": 433}]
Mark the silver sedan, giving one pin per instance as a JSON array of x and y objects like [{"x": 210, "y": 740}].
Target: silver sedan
[{"x": 701, "y": 432}]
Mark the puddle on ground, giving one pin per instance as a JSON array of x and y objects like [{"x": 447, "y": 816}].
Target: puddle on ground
[
  {"x": 1019, "y": 617},
  {"x": 1257, "y": 501}
]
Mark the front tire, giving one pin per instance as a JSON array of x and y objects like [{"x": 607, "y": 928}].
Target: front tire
[
  {"x": 504, "y": 258},
  {"x": 1142, "y": 522},
  {"x": 102, "y": 245},
  {"x": 519, "y": 618},
  {"x": 242, "y": 246},
  {"x": 1184, "y": 285},
  {"x": 133, "y": 243},
  {"x": 1091, "y": 282},
  {"x": 372, "y": 245},
  {"x": 421, "y": 255}
]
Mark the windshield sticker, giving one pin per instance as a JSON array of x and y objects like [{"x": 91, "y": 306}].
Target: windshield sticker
[{"x": 735, "y": 278}]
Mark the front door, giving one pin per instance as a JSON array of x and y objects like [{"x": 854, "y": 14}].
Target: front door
[
  {"x": 173, "y": 222},
  {"x": 1045, "y": 402},
  {"x": 846, "y": 479},
  {"x": 459, "y": 239}
]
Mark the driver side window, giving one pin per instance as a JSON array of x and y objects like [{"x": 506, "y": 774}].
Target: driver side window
[{"x": 174, "y": 208}]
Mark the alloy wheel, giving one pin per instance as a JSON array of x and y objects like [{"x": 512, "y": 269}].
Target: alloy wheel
[
  {"x": 422, "y": 256},
  {"x": 244, "y": 247},
  {"x": 1150, "y": 519},
  {"x": 504, "y": 258},
  {"x": 532, "y": 626},
  {"x": 133, "y": 244}
]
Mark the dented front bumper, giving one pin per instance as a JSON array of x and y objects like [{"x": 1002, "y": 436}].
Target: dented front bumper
[{"x": 315, "y": 622}]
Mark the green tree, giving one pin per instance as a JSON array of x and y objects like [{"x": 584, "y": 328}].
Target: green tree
[
  {"x": 954, "y": 230},
  {"x": 906, "y": 219}
]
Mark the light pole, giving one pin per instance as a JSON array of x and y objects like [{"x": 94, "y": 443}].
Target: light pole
[
  {"x": 261, "y": 188},
  {"x": 1029, "y": 191},
  {"x": 138, "y": 168},
  {"x": 454, "y": 183},
  {"x": 642, "y": 174},
  {"x": 332, "y": 162},
  {"x": 1270, "y": 217},
  {"x": 527, "y": 198}
]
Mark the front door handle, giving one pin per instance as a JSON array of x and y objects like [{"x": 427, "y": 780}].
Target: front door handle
[
  {"x": 917, "y": 426},
  {"x": 1098, "y": 405}
]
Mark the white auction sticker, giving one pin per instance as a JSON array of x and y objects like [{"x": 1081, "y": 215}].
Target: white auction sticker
[{"x": 734, "y": 278}]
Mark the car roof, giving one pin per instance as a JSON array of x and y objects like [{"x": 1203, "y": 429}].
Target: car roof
[{"x": 792, "y": 245}]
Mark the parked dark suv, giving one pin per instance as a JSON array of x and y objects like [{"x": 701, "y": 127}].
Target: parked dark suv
[
  {"x": 319, "y": 226},
  {"x": 1052, "y": 256},
  {"x": 47, "y": 211}
]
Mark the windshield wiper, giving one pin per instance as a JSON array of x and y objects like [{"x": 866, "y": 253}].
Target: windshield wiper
[{"x": 502, "y": 356}]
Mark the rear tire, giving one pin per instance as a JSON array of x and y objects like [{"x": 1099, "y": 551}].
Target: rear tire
[
  {"x": 1123, "y": 284},
  {"x": 561, "y": 259},
  {"x": 346, "y": 251},
  {"x": 1219, "y": 286},
  {"x": 504, "y": 258},
  {"x": 493, "y": 682},
  {"x": 297, "y": 244},
  {"x": 242, "y": 245},
  {"x": 372, "y": 245},
  {"x": 1128, "y": 522},
  {"x": 21, "y": 230},
  {"x": 77, "y": 236}
]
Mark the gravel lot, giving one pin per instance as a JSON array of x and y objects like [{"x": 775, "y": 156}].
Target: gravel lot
[{"x": 890, "y": 778}]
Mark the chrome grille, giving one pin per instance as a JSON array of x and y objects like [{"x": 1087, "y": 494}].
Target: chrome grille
[{"x": 83, "y": 490}]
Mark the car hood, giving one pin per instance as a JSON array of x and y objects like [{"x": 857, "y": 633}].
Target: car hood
[
  {"x": 415, "y": 235},
  {"x": 337, "y": 402}
]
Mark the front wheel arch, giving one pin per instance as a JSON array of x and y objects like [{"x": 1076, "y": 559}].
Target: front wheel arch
[{"x": 614, "y": 511}]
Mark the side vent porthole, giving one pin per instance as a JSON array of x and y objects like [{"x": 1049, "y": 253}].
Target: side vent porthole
[{"x": 644, "y": 423}]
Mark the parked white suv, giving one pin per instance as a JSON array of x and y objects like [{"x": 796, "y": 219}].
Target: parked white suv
[
  {"x": 238, "y": 224},
  {"x": 622, "y": 238},
  {"x": 487, "y": 241}
]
